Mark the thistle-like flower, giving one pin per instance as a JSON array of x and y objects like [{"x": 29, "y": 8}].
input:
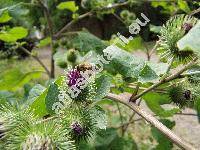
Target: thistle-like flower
[
  {"x": 171, "y": 33},
  {"x": 77, "y": 128},
  {"x": 181, "y": 96},
  {"x": 86, "y": 86},
  {"x": 187, "y": 27},
  {"x": 79, "y": 123},
  {"x": 39, "y": 136}
]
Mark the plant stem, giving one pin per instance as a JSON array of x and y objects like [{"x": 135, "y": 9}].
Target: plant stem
[
  {"x": 120, "y": 114},
  {"x": 139, "y": 119},
  {"x": 152, "y": 120},
  {"x": 154, "y": 48},
  {"x": 38, "y": 60},
  {"x": 195, "y": 12},
  {"x": 165, "y": 80},
  {"x": 50, "y": 28}
]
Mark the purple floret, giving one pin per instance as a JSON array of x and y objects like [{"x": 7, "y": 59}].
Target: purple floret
[
  {"x": 73, "y": 76},
  {"x": 187, "y": 27},
  {"x": 77, "y": 128}
]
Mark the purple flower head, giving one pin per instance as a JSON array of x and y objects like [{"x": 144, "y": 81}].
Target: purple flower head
[
  {"x": 187, "y": 27},
  {"x": 73, "y": 76},
  {"x": 77, "y": 128}
]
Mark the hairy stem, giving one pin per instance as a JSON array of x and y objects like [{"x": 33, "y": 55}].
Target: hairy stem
[
  {"x": 152, "y": 120},
  {"x": 139, "y": 119}
]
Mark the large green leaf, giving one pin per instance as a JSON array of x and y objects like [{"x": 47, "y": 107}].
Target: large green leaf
[
  {"x": 147, "y": 74},
  {"x": 184, "y": 6},
  {"x": 128, "y": 65},
  {"x": 38, "y": 105},
  {"x": 69, "y": 5},
  {"x": 99, "y": 116},
  {"x": 34, "y": 93},
  {"x": 191, "y": 41},
  {"x": 135, "y": 44},
  {"x": 14, "y": 34},
  {"x": 5, "y": 17},
  {"x": 14, "y": 79},
  {"x": 154, "y": 102},
  {"x": 103, "y": 84},
  {"x": 85, "y": 42},
  {"x": 52, "y": 97}
]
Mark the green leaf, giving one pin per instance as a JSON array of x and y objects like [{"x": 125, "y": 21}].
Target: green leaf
[
  {"x": 34, "y": 93},
  {"x": 147, "y": 75},
  {"x": 99, "y": 116},
  {"x": 69, "y": 5},
  {"x": 103, "y": 84},
  {"x": 7, "y": 97},
  {"x": 154, "y": 102},
  {"x": 191, "y": 41},
  {"x": 91, "y": 43},
  {"x": 14, "y": 79},
  {"x": 5, "y": 17},
  {"x": 184, "y": 6},
  {"x": 52, "y": 97},
  {"x": 123, "y": 62},
  {"x": 44, "y": 42},
  {"x": 163, "y": 142},
  {"x": 155, "y": 29},
  {"x": 159, "y": 68},
  {"x": 38, "y": 105},
  {"x": 128, "y": 65},
  {"x": 135, "y": 44},
  {"x": 14, "y": 34}
]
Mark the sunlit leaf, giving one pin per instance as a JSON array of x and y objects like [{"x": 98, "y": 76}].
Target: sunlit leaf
[
  {"x": 14, "y": 34},
  {"x": 14, "y": 79},
  {"x": 69, "y": 5},
  {"x": 5, "y": 17},
  {"x": 184, "y": 6},
  {"x": 135, "y": 44},
  {"x": 44, "y": 42}
]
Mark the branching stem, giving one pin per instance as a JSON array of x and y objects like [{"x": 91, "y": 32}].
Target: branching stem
[
  {"x": 165, "y": 80},
  {"x": 152, "y": 120}
]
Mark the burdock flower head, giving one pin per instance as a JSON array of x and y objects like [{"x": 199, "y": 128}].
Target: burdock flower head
[
  {"x": 73, "y": 77},
  {"x": 77, "y": 128}
]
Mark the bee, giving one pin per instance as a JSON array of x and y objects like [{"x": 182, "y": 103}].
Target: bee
[{"x": 84, "y": 67}]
